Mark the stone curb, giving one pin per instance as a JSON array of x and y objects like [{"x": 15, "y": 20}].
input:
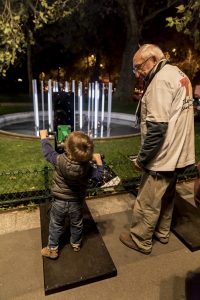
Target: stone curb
[{"x": 23, "y": 219}]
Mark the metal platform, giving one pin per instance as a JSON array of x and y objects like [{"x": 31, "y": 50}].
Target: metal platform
[
  {"x": 72, "y": 269},
  {"x": 186, "y": 223}
]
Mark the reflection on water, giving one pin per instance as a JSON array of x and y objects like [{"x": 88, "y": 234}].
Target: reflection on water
[
  {"x": 28, "y": 127},
  {"x": 22, "y": 128}
]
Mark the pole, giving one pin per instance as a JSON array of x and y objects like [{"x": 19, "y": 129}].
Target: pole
[
  {"x": 66, "y": 86},
  {"x": 35, "y": 106},
  {"x": 89, "y": 105},
  {"x": 109, "y": 107},
  {"x": 50, "y": 109},
  {"x": 96, "y": 108},
  {"x": 42, "y": 97},
  {"x": 73, "y": 91},
  {"x": 102, "y": 108},
  {"x": 80, "y": 99}
]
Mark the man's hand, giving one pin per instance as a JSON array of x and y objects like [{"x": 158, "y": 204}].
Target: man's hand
[
  {"x": 97, "y": 157},
  {"x": 137, "y": 167},
  {"x": 43, "y": 134}
]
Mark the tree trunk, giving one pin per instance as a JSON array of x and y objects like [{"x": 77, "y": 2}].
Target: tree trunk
[{"x": 125, "y": 86}]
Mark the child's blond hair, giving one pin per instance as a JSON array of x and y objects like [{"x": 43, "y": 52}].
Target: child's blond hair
[{"x": 79, "y": 147}]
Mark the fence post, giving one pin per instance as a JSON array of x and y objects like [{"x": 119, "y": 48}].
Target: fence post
[{"x": 46, "y": 178}]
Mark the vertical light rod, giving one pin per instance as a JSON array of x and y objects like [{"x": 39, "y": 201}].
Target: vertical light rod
[
  {"x": 73, "y": 91},
  {"x": 96, "y": 108},
  {"x": 89, "y": 105},
  {"x": 66, "y": 86},
  {"x": 109, "y": 107},
  {"x": 54, "y": 86},
  {"x": 42, "y": 97},
  {"x": 102, "y": 103},
  {"x": 92, "y": 106},
  {"x": 57, "y": 89},
  {"x": 102, "y": 107},
  {"x": 35, "y": 106},
  {"x": 50, "y": 109},
  {"x": 80, "y": 101}
]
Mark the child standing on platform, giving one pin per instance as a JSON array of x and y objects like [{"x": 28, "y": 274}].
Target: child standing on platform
[{"x": 73, "y": 169}]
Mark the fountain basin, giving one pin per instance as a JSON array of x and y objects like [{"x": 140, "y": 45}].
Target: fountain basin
[{"x": 23, "y": 124}]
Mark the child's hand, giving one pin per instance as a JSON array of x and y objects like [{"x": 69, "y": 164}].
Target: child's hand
[
  {"x": 97, "y": 157},
  {"x": 43, "y": 134}
]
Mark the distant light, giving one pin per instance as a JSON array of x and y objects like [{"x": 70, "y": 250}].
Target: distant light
[
  {"x": 174, "y": 50},
  {"x": 19, "y": 80},
  {"x": 101, "y": 65}
]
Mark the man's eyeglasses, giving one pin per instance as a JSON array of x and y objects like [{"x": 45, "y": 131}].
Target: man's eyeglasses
[{"x": 138, "y": 67}]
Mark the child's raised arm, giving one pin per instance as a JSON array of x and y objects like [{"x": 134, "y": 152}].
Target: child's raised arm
[{"x": 49, "y": 153}]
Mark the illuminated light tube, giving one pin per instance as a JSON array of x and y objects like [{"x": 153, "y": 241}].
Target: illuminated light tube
[
  {"x": 80, "y": 99},
  {"x": 35, "y": 106},
  {"x": 73, "y": 91},
  {"x": 89, "y": 105},
  {"x": 96, "y": 108},
  {"x": 50, "y": 109},
  {"x": 42, "y": 97},
  {"x": 109, "y": 107}
]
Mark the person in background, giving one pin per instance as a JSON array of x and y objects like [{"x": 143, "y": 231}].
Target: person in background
[
  {"x": 73, "y": 169},
  {"x": 167, "y": 146}
]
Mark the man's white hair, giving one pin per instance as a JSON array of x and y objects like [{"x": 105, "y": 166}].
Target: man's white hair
[{"x": 148, "y": 50}]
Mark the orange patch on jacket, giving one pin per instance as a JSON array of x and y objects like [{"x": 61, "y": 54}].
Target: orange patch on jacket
[{"x": 185, "y": 82}]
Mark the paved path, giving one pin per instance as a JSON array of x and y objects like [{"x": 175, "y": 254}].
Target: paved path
[{"x": 170, "y": 272}]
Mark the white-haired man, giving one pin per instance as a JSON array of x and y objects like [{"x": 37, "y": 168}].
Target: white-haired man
[{"x": 167, "y": 146}]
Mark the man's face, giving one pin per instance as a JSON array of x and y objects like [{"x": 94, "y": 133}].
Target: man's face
[{"x": 142, "y": 67}]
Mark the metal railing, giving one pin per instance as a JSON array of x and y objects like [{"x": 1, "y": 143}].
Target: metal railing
[{"x": 25, "y": 186}]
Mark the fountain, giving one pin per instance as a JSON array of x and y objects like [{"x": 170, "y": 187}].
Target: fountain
[{"x": 90, "y": 110}]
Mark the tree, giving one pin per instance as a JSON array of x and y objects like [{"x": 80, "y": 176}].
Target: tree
[
  {"x": 188, "y": 20},
  {"x": 92, "y": 31},
  {"x": 136, "y": 15},
  {"x": 184, "y": 56},
  {"x": 19, "y": 20}
]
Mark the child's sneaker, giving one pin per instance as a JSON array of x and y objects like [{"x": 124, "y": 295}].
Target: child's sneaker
[
  {"x": 50, "y": 253},
  {"x": 76, "y": 247}
]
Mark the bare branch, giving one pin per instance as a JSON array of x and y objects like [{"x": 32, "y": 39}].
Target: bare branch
[{"x": 158, "y": 11}]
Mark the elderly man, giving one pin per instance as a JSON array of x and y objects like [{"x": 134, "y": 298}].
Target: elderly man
[{"x": 167, "y": 146}]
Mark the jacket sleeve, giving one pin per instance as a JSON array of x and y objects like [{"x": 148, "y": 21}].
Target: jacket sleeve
[
  {"x": 97, "y": 172},
  {"x": 153, "y": 141},
  {"x": 49, "y": 153}
]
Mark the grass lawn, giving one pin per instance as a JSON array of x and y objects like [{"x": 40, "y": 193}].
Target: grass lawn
[
  {"x": 16, "y": 154},
  {"x": 18, "y": 157}
]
